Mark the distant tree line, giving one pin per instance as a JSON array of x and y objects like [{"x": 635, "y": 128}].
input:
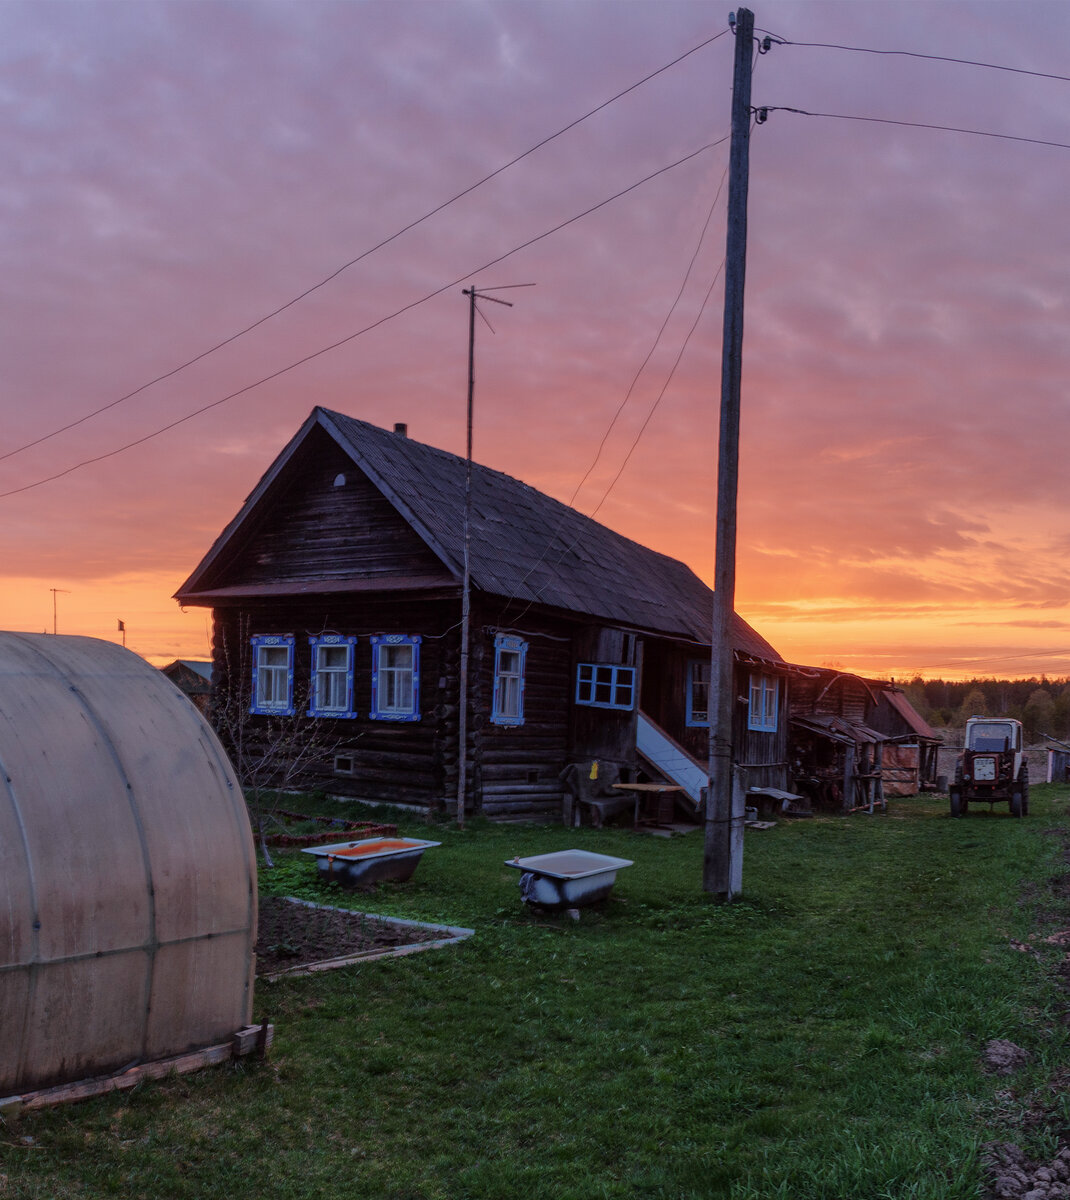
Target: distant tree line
[{"x": 1042, "y": 705}]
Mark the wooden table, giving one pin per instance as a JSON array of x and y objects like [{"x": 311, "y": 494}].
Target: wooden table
[{"x": 663, "y": 794}]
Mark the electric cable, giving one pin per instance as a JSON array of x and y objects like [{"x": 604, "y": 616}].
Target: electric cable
[
  {"x": 620, "y": 408},
  {"x": 966, "y": 62},
  {"x": 360, "y": 332},
  {"x": 360, "y": 257},
  {"x": 1008, "y": 137}
]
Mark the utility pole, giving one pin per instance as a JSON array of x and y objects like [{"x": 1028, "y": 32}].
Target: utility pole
[
  {"x": 55, "y": 622},
  {"x": 722, "y": 865},
  {"x": 473, "y": 295}
]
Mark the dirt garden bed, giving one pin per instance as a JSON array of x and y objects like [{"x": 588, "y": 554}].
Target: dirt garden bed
[{"x": 292, "y": 934}]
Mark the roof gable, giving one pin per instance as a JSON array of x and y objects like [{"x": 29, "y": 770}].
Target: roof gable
[{"x": 315, "y": 518}]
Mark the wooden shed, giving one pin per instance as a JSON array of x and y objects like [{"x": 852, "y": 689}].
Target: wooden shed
[
  {"x": 855, "y": 741},
  {"x": 128, "y": 901}
]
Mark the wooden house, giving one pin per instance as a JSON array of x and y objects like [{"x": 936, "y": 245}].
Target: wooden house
[
  {"x": 192, "y": 677},
  {"x": 337, "y": 603}
]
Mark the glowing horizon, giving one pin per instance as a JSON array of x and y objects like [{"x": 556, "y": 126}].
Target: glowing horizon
[{"x": 179, "y": 171}]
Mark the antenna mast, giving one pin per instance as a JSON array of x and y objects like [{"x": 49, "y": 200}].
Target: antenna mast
[{"x": 473, "y": 295}]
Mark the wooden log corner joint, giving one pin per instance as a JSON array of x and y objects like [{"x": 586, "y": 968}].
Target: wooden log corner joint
[{"x": 250, "y": 1039}]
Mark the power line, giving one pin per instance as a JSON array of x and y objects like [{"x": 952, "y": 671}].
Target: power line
[
  {"x": 542, "y": 557},
  {"x": 654, "y": 345},
  {"x": 765, "y": 109},
  {"x": 360, "y": 332},
  {"x": 661, "y": 394},
  {"x": 963, "y": 663},
  {"x": 360, "y": 257},
  {"x": 620, "y": 409},
  {"x": 965, "y": 62}
]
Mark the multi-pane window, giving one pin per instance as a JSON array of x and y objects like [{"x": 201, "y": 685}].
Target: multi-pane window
[
  {"x": 395, "y": 677},
  {"x": 331, "y": 693},
  {"x": 762, "y": 710},
  {"x": 273, "y": 675},
  {"x": 698, "y": 692},
  {"x": 605, "y": 686},
  {"x": 507, "y": 706}
]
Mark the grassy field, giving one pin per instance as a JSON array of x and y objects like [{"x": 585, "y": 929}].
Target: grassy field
[{"x": 821, "y": 1038}]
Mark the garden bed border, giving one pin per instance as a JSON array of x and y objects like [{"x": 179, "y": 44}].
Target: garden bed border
[{"x": 452, "y": 935}]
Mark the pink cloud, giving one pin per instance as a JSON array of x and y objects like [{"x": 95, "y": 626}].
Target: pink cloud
[{"x": 175, "y": 172}]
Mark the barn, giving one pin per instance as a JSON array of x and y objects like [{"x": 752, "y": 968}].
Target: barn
[{"x": 337, "y": 598}]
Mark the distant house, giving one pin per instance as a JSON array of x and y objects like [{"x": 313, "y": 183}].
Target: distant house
[
  {"x": 337, "y": 598},
  {"x": 194, "y": 678}
]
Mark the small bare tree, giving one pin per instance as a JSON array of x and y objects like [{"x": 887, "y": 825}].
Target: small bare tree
[{"x": 270, "y": 753}]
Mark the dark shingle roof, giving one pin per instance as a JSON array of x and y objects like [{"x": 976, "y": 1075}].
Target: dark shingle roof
[{"x": 528, "y": 547}]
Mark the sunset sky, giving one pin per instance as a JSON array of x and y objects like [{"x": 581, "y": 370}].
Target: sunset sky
[{"x": 174, "y": 172}]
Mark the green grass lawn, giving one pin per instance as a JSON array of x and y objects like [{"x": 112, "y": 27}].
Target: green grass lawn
[{"x": 821, "y": 1038}]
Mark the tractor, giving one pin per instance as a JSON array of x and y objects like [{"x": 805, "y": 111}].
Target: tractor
[{"x": 992, "y": 768}]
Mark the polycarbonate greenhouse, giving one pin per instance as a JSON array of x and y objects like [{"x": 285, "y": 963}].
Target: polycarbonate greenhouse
[{"x": 127, "y": 871}]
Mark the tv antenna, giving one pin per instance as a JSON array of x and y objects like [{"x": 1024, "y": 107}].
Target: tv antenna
[{"x": 473, "y": 293}]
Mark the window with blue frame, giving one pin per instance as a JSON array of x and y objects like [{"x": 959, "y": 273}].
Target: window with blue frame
[
  {"x": 507, "y": 705},
  {"x": 331, "y": 691},
  {"x": 764, "y": 698},
  {"x": 273, "y": 675},
  {"x": 395, "y": 677},
  {"x": 604, "y": 685},
  {"x": 698, "y": 692}
]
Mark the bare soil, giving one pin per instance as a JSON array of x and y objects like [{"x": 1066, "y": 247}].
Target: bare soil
[{"x": 291, "y": 935}]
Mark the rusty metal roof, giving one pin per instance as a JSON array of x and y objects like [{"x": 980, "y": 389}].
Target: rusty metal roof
[
  {"x": 839, "y": 729},
  {"x": 911, "y": 715}
]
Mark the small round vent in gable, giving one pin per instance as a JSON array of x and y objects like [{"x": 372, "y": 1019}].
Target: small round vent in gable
[{"x": 339, "y": 481}]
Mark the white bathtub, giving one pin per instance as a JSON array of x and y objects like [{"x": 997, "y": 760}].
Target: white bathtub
[{"x": 567, "y": 878}]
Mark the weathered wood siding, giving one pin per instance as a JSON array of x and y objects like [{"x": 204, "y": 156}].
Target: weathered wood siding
[
  {"x": 519, "y": 767},
  {"x": 845, "y": 696},
  {"x": 408, "y": 761},
  {"x": 511, "y": 770},
  {"x": 316, "y": 529},
  {"x": 763, "y": 756},
  {"x": 663, "y": 695},
  {"x": 605, "y": 734}
]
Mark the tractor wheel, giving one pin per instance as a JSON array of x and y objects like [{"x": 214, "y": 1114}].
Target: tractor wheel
[
  {"x": 1023, "y": 779},
  {"x": 957, "y": 806},
  {"x": 1016, "y": 803}
]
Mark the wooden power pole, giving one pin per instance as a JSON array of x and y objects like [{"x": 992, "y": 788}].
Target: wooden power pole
[{"x": 722, "y": 866}]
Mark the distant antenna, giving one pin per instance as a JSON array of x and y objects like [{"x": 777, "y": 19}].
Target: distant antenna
[
  {"x": 473, "y": 294},
  {"x": 54, "y": 620}
]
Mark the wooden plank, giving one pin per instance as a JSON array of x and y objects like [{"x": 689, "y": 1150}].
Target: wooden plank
[{"x": 244, "y": 1041}]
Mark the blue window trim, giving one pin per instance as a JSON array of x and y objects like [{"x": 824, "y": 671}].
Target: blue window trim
[
  {"x": 511, "y": 645},
  {"x": 703, "y": 720},
  {"x": 331, "y": 640},
  {"x": 760, "y": 686},
  {"x": 395, "y": 639},
  {"x": 274, "y": 641},
  {"x": 590, "y": 676}
]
